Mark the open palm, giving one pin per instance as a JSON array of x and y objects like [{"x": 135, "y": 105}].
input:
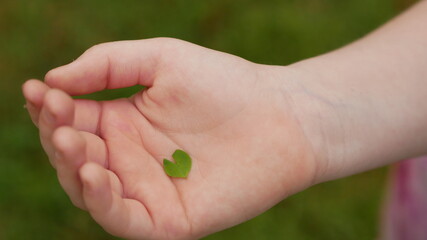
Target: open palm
[{"x": 231, "y": 116}]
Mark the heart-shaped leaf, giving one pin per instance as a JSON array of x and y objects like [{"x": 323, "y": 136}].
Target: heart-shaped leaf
[{"x": 181, "y": 167}]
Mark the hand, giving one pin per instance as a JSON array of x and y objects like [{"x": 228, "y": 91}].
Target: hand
[{"x": 233, "y": 117}]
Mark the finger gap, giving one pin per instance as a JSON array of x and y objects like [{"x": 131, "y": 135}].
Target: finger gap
[{"x": 111, "y": 94}]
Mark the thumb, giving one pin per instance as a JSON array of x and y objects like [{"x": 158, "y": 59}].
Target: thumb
[{"x": 110, "y": 65}]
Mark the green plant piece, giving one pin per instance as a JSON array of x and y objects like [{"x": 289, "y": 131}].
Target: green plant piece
[{"x": 181, "y": 167}]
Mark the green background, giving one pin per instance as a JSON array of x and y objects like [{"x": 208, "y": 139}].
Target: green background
[{"x": 38, "y": 35}]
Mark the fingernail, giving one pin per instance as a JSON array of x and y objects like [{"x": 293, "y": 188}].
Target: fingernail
[
  {"x": 58, "y": 155},
  {"x": 50, "y": 118},
  {"x": 29, "y": 105}
]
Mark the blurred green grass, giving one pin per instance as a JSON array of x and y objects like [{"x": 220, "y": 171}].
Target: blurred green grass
[{"x": 38, "y": 35}]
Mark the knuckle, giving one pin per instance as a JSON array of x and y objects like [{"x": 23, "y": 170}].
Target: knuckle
[{"x": 98, "y": 48}]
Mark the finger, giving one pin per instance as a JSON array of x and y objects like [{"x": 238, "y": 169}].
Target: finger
[
  {"x": 57, "y": 110},
  {"x": 110, "y": 65},
  {"x": 87, "y": 115},
  {"x": 121, "y": 217},
  {"x": 34, "y": 92},
  {"x": 87, "y": 112},
  {"x": 72, "y": 150}
]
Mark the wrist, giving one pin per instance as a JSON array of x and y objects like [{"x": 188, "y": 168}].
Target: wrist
[
  {"x": 314, "y": 116},
  {"x": 356, "y": 119},
  {"x": 318, "y": 110}
]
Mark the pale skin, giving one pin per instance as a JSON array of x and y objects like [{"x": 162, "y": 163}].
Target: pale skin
[{"x": 256, "y": 133}]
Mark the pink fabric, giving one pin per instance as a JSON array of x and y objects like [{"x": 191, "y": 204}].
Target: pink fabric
[{"x": 405, "y": 215}]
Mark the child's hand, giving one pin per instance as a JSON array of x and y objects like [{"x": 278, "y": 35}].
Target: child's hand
[{"x": 233, "y": 117}]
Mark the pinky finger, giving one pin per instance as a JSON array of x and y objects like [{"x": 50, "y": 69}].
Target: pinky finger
[{"x": 119, "y": 216}]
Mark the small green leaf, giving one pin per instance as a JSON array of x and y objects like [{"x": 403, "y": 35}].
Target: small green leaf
[{"x": 181, "y": 167}]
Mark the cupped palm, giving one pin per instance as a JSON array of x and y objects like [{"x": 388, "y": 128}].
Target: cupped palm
[{"x": 231, "y": 116}]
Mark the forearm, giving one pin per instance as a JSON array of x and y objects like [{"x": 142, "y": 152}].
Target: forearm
[{"x": 367, "y": 102}]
